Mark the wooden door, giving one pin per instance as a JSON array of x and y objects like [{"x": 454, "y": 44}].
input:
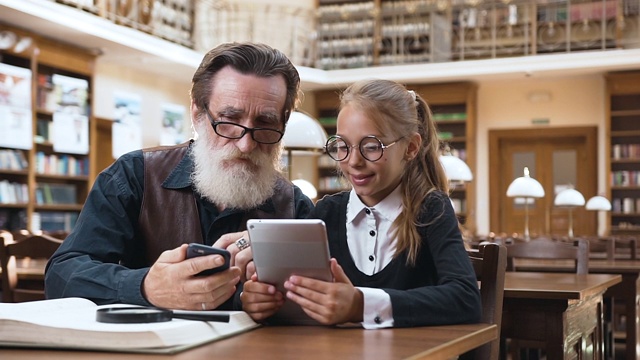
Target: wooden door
[
  {"x": 557, "y": 158},
  {"x": 103, "y": 150}
]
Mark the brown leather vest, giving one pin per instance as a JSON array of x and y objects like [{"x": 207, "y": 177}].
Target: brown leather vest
[{"x": 169, "y": 217}]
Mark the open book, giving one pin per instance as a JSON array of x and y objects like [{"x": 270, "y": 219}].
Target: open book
[{"x": 71, "y": 323}]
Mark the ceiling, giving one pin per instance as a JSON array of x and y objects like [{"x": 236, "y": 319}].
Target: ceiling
[{"x": 127, "y": 47}]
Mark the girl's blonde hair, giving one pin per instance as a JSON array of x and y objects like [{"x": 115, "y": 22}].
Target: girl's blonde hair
[{"x": 398, "y": 112}]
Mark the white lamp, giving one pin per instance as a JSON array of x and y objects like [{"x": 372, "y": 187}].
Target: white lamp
[
  {"x": 598, "y": 203},
  {"x": 455, "y": 168},
  {"x": 525, "y": 187},
  {"x": 303, "y": 135},
  {"x": 306, "y": 187},
  {"x": 569, "y": 198}
]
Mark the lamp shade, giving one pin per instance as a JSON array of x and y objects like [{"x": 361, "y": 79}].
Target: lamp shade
[
  {"x": 599, "y": 203},
  {"x": 306, "y": 187},
  {"x": 304, "y": 133},
  {"x": 569, "y": 197},
  {"x": 455, "y": 168},
  {"x": 525, "y": 186}
]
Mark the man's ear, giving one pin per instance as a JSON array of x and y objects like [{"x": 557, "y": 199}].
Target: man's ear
[{"x": 194, "y": 113}]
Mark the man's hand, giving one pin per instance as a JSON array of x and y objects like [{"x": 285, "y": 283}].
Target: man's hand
[
  {"x": 171, "y": 282},
  {"x": 240, "y": 258}
]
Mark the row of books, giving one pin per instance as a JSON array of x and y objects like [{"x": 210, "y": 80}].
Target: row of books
[
  {"x": 626, "y": 205},
  {"x": 625, "y": 178},
  {"x": 44, "y": 130},
  {"x": 61, "y": 164},
  {"x": 330, "y": 183},
  {"x": 449, "y": 116},
  {"x": 53, "y": 194},
  {"x": 625, "y": 151},
  {"x": 627, "y": 225},
  {"x": 13, "y": 219},
  {"x": 13, "y": 160},
  {"x": 459, "y": 153},
  {"x": 50, "y": 221},
  {"x": 13, "y": 193}
]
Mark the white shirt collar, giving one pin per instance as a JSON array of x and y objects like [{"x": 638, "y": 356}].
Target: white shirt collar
[{"x": 390, "y": 207}]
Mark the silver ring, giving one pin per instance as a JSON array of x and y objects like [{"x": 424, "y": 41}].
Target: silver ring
[
  {"x": 204, "y": 307},
  {"x": 242, "y": 243}
]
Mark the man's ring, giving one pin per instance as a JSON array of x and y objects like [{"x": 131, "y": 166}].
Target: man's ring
[
  {"x": 204, "y": 307},
  {"x": 242, "y": 243}
]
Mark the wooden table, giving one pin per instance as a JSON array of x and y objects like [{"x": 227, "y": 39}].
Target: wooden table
[
  {"x": 561, "y": 310},
  {"x": 626, "y": 292},
  {"x": 313, "y": 342}
]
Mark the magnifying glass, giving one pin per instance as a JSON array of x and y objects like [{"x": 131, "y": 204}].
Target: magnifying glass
[{"x": 134, "y": 315}]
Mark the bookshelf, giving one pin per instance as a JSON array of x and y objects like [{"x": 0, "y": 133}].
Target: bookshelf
[
  {"x": 454, "y": 108},
  {"x": 329, "y": 181},
  {"x": 54, "y": 172},
  {"x": 346, "y": 32},
  {"x": 623, "y": 151},
  {"x": 364, "y": 33}
]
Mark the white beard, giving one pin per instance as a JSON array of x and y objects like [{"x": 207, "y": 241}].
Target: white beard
[{"x": 231, "y": 184}]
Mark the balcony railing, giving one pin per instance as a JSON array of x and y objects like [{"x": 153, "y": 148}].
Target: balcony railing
[{"x": 351, "y": 34}]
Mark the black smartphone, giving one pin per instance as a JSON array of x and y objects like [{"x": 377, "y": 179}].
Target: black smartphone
[{"x": 196, "y": 249}]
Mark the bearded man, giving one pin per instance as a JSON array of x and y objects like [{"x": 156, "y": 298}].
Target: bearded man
[{"x": 129, "y": 244}]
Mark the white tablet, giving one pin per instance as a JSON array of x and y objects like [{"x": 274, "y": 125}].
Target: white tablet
[{"x": 284, "y": 247}]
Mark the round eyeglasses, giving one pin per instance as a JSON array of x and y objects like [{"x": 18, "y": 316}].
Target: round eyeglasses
[
  {"x": 231, "y": 130},
  {"x": 370, "y": 147}
]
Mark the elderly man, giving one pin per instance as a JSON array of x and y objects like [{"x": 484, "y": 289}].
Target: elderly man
[{"x": 129, "y": 244}]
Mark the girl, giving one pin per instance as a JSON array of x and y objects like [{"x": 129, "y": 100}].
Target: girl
[{"x": 398, "y": 255}]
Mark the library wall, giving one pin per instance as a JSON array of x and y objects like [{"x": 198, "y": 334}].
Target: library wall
[
  {"x": 571, "y": 101},
  {"x": 153, "y": 91}
]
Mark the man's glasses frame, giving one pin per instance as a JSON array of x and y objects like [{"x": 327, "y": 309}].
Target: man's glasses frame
[
  {"x": 255, "y": 132},
  {"x": 372, "y": 154}
]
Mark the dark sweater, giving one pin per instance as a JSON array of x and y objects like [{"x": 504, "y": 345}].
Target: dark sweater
[{"x": 440, "y": 289}]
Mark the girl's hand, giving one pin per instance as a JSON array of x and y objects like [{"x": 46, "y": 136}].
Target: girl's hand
[
  {"x": 260, "y": 300},
  {"x": 328, "y": 303}
]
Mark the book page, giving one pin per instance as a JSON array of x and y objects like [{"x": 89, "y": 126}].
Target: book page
[
  {"x": 72, "y": 323},
  {"x": 34, "y": 310}
]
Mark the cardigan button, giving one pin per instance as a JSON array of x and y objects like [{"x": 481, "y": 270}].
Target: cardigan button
[
  {"x": 377, "y": 320},
  {"x": 367, "y": 211},
  {"x": 371, "y": 258},
  {"x": 372, "y": 233}
]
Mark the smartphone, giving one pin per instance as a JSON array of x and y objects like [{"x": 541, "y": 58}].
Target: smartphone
[{"x": 196, "y": 249}]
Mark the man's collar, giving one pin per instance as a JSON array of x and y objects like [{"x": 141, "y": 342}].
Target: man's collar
[{"x": 180, "y": 176}]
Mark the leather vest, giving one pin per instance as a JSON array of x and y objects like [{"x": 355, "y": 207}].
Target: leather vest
[{"x": 169, "y": 217}]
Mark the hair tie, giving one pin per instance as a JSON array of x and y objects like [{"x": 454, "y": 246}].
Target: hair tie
[{"x": 413, "y": 94}]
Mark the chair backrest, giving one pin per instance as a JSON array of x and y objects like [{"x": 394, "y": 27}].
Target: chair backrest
[
  {"x": 542, "y": 248},
  {"x": 613, "y": 247},
  {"x": 490, "y": 263},
  {"x": 32, "y": 247}
]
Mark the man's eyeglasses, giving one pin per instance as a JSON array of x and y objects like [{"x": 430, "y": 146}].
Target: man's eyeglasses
[
  {"x": 231, "y": 130},
  {"x": 370, "y": 147}
]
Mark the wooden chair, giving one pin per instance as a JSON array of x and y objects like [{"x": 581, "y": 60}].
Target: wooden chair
[
  {"x": 613, "y": 248},
  {"x": 490, "y": 263},
  {"x": 58, "y": 234},
  {"x": 543, "y": 248},
  {"x": 33, "y": 247},
  {"x": 546, "y": 248}
]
